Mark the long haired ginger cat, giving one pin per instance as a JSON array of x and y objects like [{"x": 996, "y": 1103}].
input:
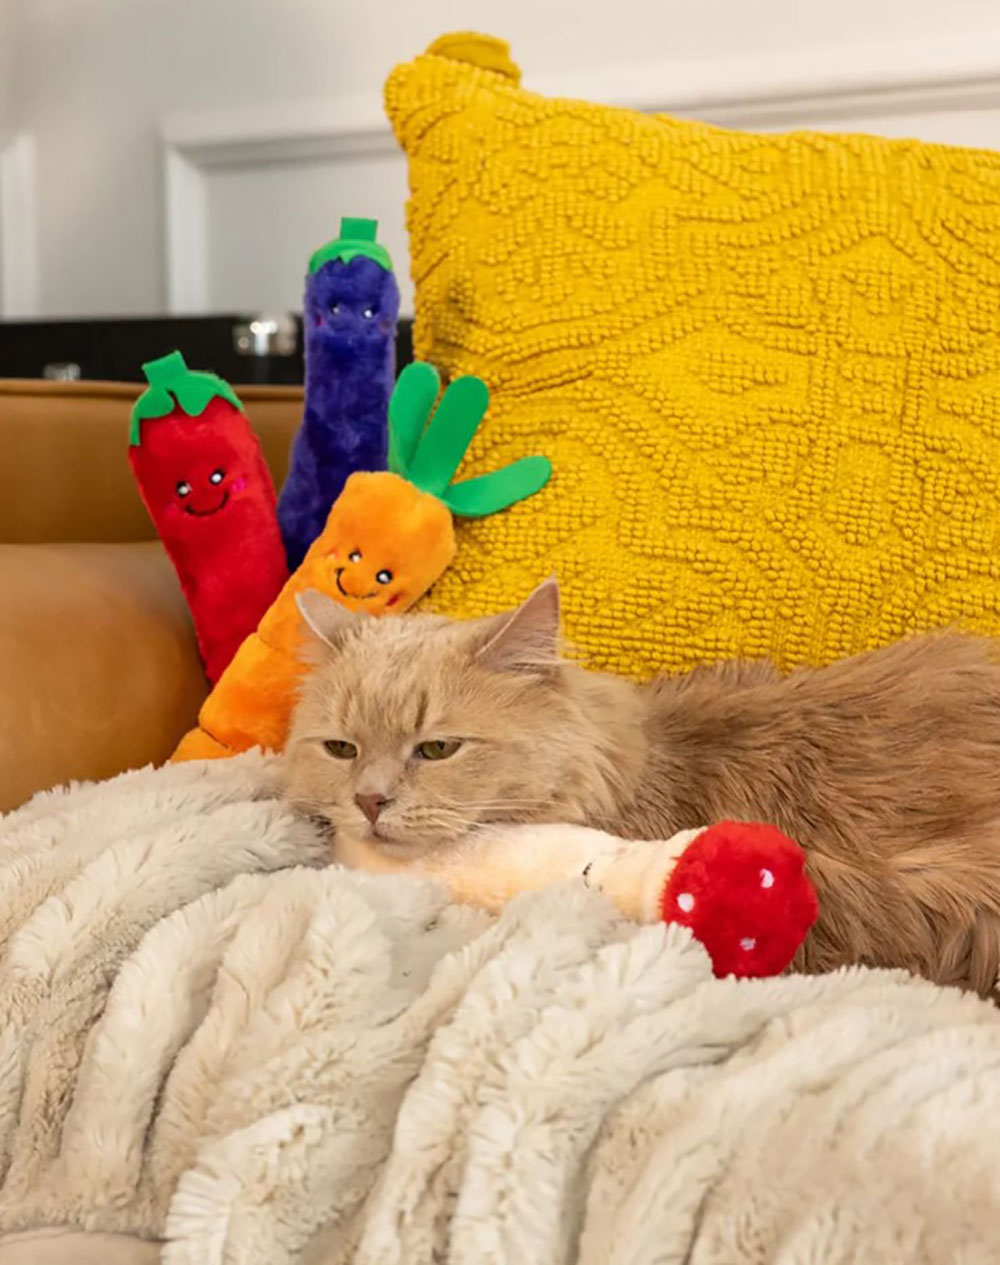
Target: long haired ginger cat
[{"x": 886, "y": 767}]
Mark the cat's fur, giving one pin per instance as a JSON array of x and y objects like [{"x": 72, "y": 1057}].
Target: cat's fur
[{"x": 885, "y": 767}]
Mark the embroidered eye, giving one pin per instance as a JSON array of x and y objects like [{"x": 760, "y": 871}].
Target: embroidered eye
[
  {"x": 383, "y": 577},
  {"x": 334, "y": 309},
  {"x": 437, "y": 749},
  {"x": 355, "y": 555},
  {"x": 369, "y": 313},
  {"x": 216, "y": 477},
  {"x": 339, "y": 749},
  {"x": 183, "y": 489}
]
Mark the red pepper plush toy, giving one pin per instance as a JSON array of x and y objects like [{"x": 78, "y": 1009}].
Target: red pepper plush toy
[{"x": 209, "y": 492}]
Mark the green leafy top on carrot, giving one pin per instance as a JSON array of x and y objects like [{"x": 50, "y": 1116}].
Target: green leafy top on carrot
[{"x": 427, "y": 453}]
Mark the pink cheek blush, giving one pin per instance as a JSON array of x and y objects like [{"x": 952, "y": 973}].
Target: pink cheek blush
[
  {"x": 238, "y": 485},
  {"x": 171, "y": 509}
]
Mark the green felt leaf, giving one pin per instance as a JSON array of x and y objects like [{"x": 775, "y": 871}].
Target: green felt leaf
[
  {"x": 410, "y": 406},
  {"x": 173, "y": 384},
  {"x": 444, "y": 443},
  {"x": 156, "y": 402},
  {"x": 356, "y": 239},
  {"x": 358, "y": 230},
  {"x": 490, "y": 493},
  {"x": 166, "y": 370},
  {"x": 428, "y": 453}
]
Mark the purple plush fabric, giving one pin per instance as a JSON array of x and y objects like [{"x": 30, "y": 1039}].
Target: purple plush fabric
[{"x": 350, "y": 347}]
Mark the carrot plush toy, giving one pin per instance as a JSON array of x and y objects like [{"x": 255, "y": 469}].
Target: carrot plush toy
[
  {"x": 388, "y": 537},
  {"x": 209, "y": 492}
]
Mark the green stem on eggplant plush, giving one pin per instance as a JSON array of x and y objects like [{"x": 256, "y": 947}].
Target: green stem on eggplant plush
[{"x": 350, "y": 310}]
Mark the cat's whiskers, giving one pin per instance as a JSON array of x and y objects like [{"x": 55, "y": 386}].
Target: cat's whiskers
[
  {"x": 502, "y": 804},
  {"x": 412, "y": 826},
  {"x": 476, "y": 813},
  {"x": 441, "y": 821}
]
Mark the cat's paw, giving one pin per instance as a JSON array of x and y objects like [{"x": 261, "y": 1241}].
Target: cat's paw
[{"x": 633, "y": 873}]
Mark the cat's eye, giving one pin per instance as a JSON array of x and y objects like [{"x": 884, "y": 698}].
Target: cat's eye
[
  {"x": 216, "y": 477},
  {"x": 355, "y": 555},
  {"x": 183, "y": 488},
  {"x": 368, "y": 313},
  {"x": 437, "y": 749},
  {"x": 383, "y": 577},
  {"x": 339, "y": 749}
]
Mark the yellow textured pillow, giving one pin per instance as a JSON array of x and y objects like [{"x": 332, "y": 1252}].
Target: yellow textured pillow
[{"x": 766, "y": 368}]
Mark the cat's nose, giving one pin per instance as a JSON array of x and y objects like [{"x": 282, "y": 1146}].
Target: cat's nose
[{"x": 371, "y": 805}]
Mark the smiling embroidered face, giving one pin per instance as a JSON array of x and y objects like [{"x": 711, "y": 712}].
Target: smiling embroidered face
[
  {"x": 366, "y": 580},
  {"x": 200, "y": 473},
  {"x": 198, "y": 501},
  {"x": 351, "y": 304},
  {"x": 380, "y": 550}
]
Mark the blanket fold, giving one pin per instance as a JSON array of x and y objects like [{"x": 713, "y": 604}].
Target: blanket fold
[{"x": 212, "y": 1040}]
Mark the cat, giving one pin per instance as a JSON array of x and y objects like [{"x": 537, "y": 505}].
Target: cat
[{"x": 885, "y": 767}]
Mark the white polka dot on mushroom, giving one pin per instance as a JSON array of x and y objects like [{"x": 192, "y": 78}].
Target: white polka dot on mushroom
[
  {"x": 766, "y": 878},
  {"x": 748, "y": 943},
  {"x": 685, "y": 902}
]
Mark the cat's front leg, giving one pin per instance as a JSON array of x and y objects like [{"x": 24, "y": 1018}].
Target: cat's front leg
[
  {"x": 488, "y": 867},
  {"x": 364, "y": 854}
]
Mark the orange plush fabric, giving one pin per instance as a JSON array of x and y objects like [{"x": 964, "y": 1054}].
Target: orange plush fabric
[
  {"x": 403, "y": 539},
  {"x": 384, "y": 544}
]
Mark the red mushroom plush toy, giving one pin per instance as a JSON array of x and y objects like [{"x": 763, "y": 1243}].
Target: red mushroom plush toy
[{"x": 741, "y": 887}]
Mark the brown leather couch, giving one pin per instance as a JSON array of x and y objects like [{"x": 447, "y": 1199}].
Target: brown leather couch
[{"x": 98, "y": 666}]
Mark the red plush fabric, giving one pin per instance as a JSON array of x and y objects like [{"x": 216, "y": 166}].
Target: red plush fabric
[
  {"x": 210, "y": 494},
  {"x": 742, "y": 889}
]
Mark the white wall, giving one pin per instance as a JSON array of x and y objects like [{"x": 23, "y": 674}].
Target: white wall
[
  {"x": 6, "y": 68},
  {"x": 96, "y": 78},
  {"x": 8, "y": 122},
  {"x": 6, "y": 95}
]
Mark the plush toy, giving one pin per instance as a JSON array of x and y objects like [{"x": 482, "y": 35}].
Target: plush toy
[
  {"x": 350, "y": 311},
  {"x": 209, "y": 492},
  {"x": 388, "y": 537},
  {"x": 740, "y": 887}
]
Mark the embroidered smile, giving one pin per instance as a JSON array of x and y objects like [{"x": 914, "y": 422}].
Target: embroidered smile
[
  {"x": 358, "y": 597},
  {"x": 190, "y": 509}
]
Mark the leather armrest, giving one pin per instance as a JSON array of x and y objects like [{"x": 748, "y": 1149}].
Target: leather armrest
[
  {"x": 64, "y": 473},
  {"x": 99, "y": 670}
]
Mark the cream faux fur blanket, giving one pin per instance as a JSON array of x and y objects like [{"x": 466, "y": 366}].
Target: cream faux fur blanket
[{"x": 208, "y": 1040}]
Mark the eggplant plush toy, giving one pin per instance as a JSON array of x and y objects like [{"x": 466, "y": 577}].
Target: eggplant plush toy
[{"x": 350, "y": 312}]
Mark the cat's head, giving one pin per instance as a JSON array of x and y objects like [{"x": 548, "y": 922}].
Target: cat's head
[{"x": 414, "y": 729}]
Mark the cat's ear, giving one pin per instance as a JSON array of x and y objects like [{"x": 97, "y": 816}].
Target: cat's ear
[
  {"x": 526, "y": 640},
  {"x": 325, "y": 618}
]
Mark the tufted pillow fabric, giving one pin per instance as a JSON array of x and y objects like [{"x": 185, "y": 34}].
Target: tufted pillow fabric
[{"x": 766, "y": 368}]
